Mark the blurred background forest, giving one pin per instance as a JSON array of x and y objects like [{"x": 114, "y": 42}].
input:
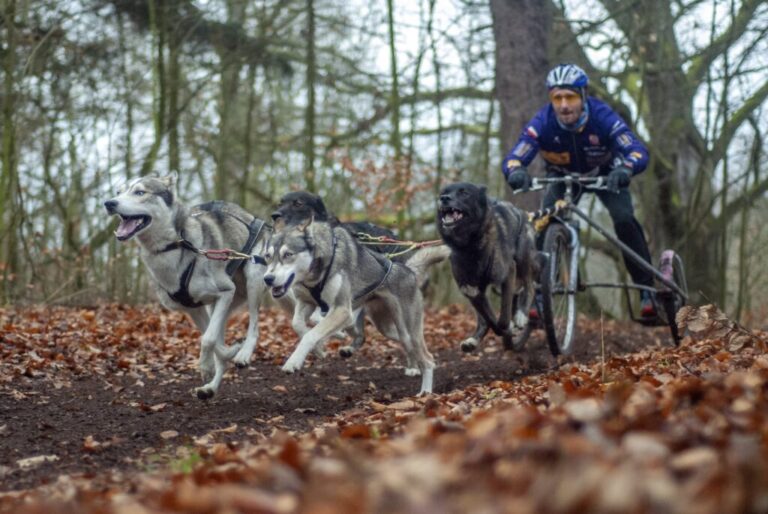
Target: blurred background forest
[{"x": 373, "y": 105}]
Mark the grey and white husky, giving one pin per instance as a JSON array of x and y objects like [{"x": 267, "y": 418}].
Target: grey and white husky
[
  {"x": 169, "y": 234},
  {"x": 326, "y": 267}
]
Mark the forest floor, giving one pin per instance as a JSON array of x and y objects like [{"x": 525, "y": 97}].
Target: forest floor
[{"x": 97, "y": 414}]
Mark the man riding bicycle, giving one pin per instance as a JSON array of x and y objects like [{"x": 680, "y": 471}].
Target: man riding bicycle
[{"x": 576, "y": 133}]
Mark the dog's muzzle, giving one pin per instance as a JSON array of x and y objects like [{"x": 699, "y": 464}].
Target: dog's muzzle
[
  {"x": 129, "y": 225},
  {"x": 449, "y": 216},
  {"x": 278, "y": 291}
]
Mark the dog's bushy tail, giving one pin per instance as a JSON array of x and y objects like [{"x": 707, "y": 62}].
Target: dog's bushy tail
[{"x": 420, "y": 261}]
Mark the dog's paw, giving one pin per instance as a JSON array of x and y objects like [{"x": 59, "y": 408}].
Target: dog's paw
[
  {"x": 520, "y": 321},
  {"x": 242, "y": 358},
  {"x": 412, "y": 372},
  {"x": 346, "y": 352},
  {"x": 204, "y": 393},
  {"x": 319, "y": 352},
  {"x": 291, "y": 366},
  {"x": 469, "y": 345},
  {"x": 316, "y": 317}
]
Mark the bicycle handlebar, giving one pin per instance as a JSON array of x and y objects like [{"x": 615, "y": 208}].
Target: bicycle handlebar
[{"x": 588, "y": 183}]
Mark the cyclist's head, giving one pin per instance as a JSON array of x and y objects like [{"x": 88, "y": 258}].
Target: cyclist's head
[
  {"x": 567, "y": 76},
  {"x": 567, "y": 86}
]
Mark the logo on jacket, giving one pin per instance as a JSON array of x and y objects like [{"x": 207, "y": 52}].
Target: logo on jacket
[
  {"x": 624, "y": 140},
  {"x": 594, "y": 140}
]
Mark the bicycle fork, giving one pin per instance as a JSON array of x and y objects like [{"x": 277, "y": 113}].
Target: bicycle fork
[{"x": 574, "y": 245}]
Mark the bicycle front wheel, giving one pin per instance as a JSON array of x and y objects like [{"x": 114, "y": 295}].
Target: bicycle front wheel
[{"x": 558, "y": 290}]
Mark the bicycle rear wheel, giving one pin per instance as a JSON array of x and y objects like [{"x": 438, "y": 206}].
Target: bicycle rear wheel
[
  {"x": 671, "y": 266},
  {"x": 558, "y": 290}
]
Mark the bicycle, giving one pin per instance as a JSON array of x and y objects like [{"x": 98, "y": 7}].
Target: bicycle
[{"x": 560, "y": 279}]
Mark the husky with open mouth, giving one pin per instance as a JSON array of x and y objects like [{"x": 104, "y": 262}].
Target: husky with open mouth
[
  {"x": 492, "y": 244},
  {"x": 326, "y": 267},
  {"x": 170, "y": 235}
]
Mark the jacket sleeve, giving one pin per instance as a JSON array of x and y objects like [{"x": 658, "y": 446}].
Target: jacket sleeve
[
  {"x": 526, "y": 148},
  {"x": 626, "y": 144}
]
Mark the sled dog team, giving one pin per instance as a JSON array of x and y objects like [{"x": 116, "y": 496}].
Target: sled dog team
[{"x": 314, "y": 267}]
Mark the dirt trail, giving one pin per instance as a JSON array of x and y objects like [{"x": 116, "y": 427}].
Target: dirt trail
[{"x": 120, "y": 409}]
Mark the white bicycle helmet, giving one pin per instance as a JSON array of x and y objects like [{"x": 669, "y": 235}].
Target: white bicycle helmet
[{"x": 568, "y": 76}]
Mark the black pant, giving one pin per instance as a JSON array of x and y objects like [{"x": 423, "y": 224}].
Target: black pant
[{"x": 626, "y": 226}]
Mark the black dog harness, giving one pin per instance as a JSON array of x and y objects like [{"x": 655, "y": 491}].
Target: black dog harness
[
  {"x": 182, "y": 295},
  {"x": 317, "y": 289}
]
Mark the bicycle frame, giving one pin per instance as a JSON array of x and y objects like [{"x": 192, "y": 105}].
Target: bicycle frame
[{"x": 598, "y": 184}]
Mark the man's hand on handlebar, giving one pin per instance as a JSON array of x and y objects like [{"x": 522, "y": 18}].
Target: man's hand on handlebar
[
  {"x": 518, "y": 179},
  {"x": 618, "y": 178}
]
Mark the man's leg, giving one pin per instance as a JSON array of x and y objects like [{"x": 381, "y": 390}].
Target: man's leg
[{"x": 629, "y": 232}]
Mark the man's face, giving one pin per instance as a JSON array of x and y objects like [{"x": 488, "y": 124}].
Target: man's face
[{"x": 567, "y": 104}]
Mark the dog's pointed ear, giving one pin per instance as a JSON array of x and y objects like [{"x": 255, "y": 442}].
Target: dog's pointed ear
[
  {"x": 484, "y": 195},
  {"x": 306, "y": 225},
  {"x": 171, "y": 179}
]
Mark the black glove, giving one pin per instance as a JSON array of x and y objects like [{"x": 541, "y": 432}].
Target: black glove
[
  {"x": 618, "y": 178},
  {"x": 518, "y": 178}
]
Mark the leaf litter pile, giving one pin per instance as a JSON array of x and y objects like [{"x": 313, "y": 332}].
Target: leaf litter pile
[{"x": 97, "y": 415}]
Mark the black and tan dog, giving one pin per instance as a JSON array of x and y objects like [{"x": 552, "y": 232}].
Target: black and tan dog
[
  {"x": 492, "y": 244},
  {"x": 298, "y": 207}
]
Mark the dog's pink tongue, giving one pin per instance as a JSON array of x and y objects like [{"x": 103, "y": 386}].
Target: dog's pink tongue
[{"x": 127, "y": 227}]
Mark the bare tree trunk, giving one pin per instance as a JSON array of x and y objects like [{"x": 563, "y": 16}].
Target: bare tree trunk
[
  {"x": 231, "y": 63},
  {"x": 743, "y": 292},
  {"x": 248, "y": 136},
  {"x": 174, "y": 87},
  {"x": 309, "y": 116},
  {"x": 394, "y": 95},
  {"x": 438, "y": 89},
  {"x": 158, "y": 29},
  {"x": 394, "y": 103},
  {"x": 127, "y": 96},
  {"x": 521, "y": 67},
  {"x": 9, "y": 214}
]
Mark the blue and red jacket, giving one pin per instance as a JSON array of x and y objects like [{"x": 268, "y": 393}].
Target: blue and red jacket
[{"x": 604, "y": 142}]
